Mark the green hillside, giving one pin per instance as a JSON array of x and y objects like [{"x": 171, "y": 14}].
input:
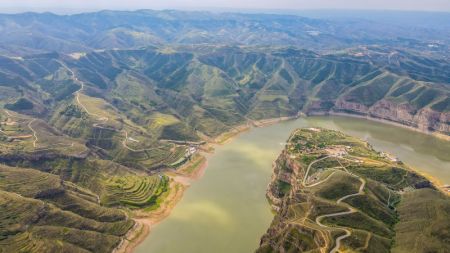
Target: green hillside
[
  {"x": 332, "y": 192},
  {"x": 40, "y": 212},
  {"x": 211, "y": 89}
]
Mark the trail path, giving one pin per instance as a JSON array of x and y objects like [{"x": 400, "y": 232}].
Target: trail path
[
  {"x": 100, "y": 118},
  {"x": 34, "y": 133},
  {"x": 77, "y": 94},
  {"x": 339, "y": 202},
  {"x": 389, "y": 198},
  {"x": 28, "y": 125},
  {"x": 184, "y": 142},
  {"x": 308, "y": 169},
  {"x": 323, "y": 181}
]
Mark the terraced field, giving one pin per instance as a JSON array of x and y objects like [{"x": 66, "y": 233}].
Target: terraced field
[
  {"x": 39, "y": 212},
  {"x": 135, "y": 191}
]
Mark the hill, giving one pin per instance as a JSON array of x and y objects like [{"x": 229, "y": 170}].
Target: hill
[
  {"x": 31, "y": 33},
  {"x": 177, "y": 93},
  {"x": 334, "y": 192},
  {"x": 42, "y": 213}
]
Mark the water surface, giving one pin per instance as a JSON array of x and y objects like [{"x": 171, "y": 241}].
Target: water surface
[{"x": 226, "y": 211}]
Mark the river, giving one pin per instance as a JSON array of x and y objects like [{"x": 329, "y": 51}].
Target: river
[{"x": 226, "y": 210}]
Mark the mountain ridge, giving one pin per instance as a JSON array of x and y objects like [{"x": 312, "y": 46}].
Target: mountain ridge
[{"x": 29, "y": 33}]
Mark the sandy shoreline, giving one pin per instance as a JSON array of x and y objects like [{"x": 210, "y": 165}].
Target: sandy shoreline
[
  {"x": 146, "y": 220},
  {"x": 183, "y": 177}
]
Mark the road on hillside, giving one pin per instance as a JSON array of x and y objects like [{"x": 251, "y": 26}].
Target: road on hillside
[{"x": 339, "y": 202}]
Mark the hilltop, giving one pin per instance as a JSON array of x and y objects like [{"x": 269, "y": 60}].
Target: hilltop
[
  {"x": 31, "y": 33},
  {"x": 334, "y": 192}
]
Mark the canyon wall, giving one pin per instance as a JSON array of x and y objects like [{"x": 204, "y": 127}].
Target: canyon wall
[{"x": 425, "y": 119}]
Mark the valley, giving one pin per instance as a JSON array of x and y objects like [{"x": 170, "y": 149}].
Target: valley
[
  {"x": 231, "y": 194},
  {"x": 107, "y": 118}
]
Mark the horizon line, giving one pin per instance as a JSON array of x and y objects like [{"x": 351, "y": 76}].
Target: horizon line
[{"x": 75, "y": 11}]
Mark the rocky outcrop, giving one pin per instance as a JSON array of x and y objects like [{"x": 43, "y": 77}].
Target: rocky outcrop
[
  {"x": 280, "y": 174},
  {"x": 428, "y": 119},
  {"x": 287, "y": 171}
]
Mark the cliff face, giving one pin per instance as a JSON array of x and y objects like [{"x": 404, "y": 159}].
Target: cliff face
[
  {"x": 288, "y": 173},
  {"x": 285, "y": 171},
  {"x": 424, "y": 119}
]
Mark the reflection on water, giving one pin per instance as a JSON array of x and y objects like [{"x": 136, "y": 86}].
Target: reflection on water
[{"x": 226, "y": 211}]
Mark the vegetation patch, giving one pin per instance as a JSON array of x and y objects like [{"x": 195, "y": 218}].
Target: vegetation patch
[
  {"x": 135, "y": 191},
  {"x": 20, "y": 104}
]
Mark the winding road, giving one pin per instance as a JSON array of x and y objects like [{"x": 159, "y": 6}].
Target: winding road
[
  {"x": 34, "y": 133},
  {"x": 339, "y": 202},
  {"x": 77, "y": 95},
  {"x": 309, "y": 168},
  {"x": 100, "y": 118},
  {"x": 28, "y": 125}
]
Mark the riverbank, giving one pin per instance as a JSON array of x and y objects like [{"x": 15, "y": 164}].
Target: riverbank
[
  {"x": 145, "y": 220},
  {"x": 385, "y": 121},
  {"x": 181, "y": 179},
  {"x": 228, "y": 136},
  {"x": 195, "y": 169},
  {"x": 434, "y": 180}
]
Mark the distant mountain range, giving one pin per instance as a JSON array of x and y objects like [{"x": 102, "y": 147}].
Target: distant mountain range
[{"x": 30, "y": 33}]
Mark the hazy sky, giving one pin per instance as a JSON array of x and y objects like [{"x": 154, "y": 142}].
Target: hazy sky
[{"x": 55, "y": 5}]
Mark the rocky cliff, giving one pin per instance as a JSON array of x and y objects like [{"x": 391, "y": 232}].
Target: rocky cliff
[
  {"x": 281, "y": 195},
  {"x": 426, "y": 119}
]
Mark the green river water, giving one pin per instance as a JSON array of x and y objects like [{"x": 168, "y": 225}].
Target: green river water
[{"x": 226, "y": 211}]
